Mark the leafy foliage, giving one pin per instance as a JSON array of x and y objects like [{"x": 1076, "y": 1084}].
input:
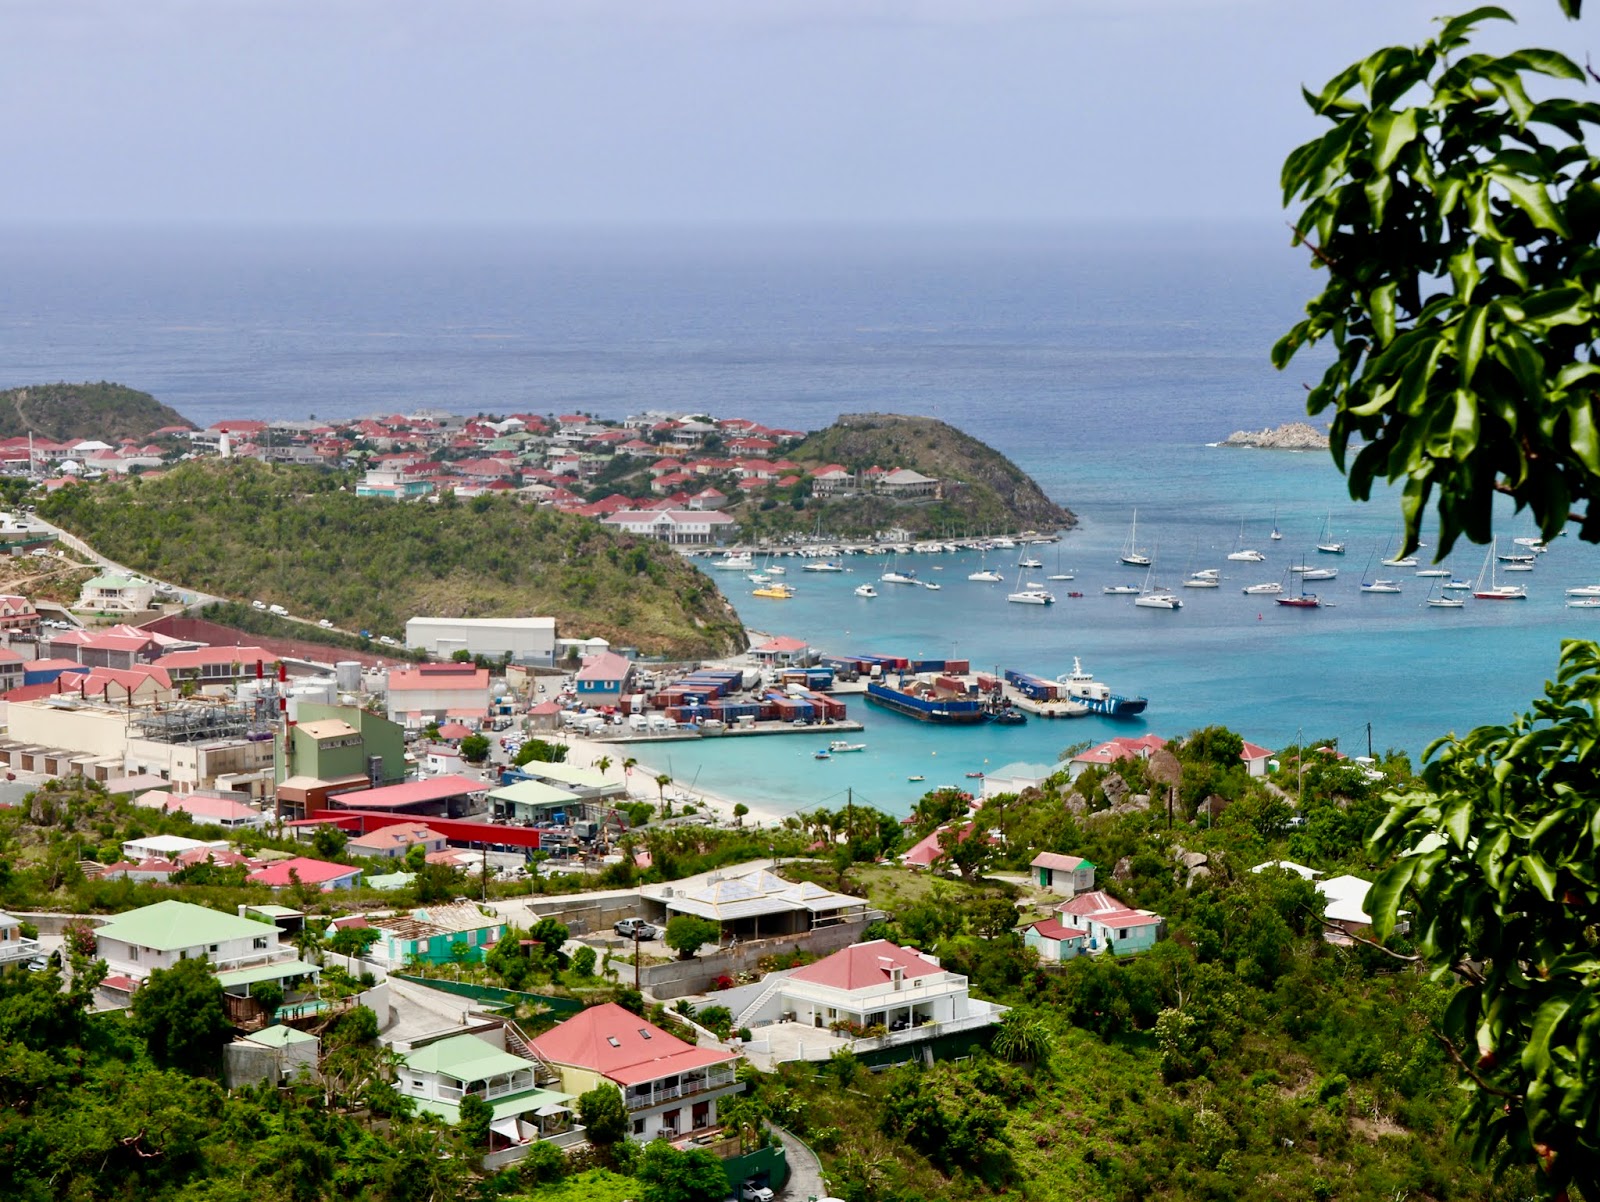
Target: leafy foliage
[
  {"x": 601, "y": 1111},
  {"x": 1498, "y": 850},
  {"x": 686, "y": 934},
  {"x": 1457, "y": 219},
  {"x": 673, "y": 1176},
  {"x": 69, "y": 412},
  {"x": 180, "y": 1015}
]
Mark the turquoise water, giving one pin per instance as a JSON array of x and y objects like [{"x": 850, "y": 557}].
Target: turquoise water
[
  {"x": 1264, "y": 670},
  {"x": 1099, "y": 357}
]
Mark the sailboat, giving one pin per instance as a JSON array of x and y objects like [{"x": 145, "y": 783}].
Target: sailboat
[
  {"x": 1131, "y": 554},
  {"x": 1304, "y": 600},
  {"x": 1439, "y": 600},
  {"x": 985, "y": 574},
  {"x": 1379, "y": 585},
  {"x": 1277, "y": 535},
  {"x": 1329, "y": 545},
  {"x": 1245, "y": 554},
  {"x": 1031, "y": 595},
  {"x": 1157, "y": 597},
  {"x": 1496, "y": 591},
  {"x": 1058, "y": 574},
  {"x": 895, "y": 576}
]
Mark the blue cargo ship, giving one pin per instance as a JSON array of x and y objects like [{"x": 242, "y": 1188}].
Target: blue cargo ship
[{"x": 928, "y": 706}]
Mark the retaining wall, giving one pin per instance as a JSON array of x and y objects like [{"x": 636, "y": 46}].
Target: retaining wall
[{"x": 683, "y": 977}]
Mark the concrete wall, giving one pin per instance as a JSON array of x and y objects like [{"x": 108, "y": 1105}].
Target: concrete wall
[
  {"x": 683, "y": 977},
  {"x": 94, "y": 732},
  {"x": 586, "y": 916}
]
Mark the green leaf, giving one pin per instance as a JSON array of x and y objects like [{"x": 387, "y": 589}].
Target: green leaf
[
  {"x": 1456, "y": 29},
  {"x": 1384, "y": 896},
  {"x": 1584, "y": 438},
  {"x": 1391, "y": 133},
  {"x": 1380, "y": 304},
  {"x": 1542, "y": 876},
  {"x": 1469, "y": 346},
  {"x": 1531, "y": 197},
  {"x": 1536, "y": 1055}
]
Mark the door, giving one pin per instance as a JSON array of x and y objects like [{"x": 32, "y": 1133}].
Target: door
[{"x": 701, "y": 1116}]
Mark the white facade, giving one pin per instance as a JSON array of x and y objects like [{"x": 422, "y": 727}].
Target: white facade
[
  {"x": 527, "y": 640},
  {"x": 140, "y": 941}
]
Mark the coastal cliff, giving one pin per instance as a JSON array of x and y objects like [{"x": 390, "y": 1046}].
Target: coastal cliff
[
  {"x": 72, "y": 412},
  {"x": 1291, "y": 436}
]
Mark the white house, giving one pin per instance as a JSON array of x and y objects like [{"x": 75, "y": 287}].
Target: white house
[
  {"x": 525, "y": 640},
  {"x": 14, "y": 945},
  {"x": 170, "y": 847},
  {"x": 1065, "y": 875},
  {"x": 139, "y": 941},
  {"x": 668, "y": 1086},
  {"x": 867, "y": 985},
  {"x": 112, "y": 593},
  {"x": 680, "y": 527}
]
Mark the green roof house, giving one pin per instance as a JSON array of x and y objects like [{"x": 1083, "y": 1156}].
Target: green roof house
[
  {"x": 113, "y": 593},
  {"x": 439, "y": 1074},
  {"x": 136, "y": 943},
  {"x": 274, "y": 1055}
]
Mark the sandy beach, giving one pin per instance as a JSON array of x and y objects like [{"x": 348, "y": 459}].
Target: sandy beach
[{"x": 641, "y": 782}]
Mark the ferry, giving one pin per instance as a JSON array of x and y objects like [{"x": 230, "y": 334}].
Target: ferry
[
  {"x": 734, "y": 563},
  {"x": 926, "y": 705},
  {"x": 1086, "y": 690}
]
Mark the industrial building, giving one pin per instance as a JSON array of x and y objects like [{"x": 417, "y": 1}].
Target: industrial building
[{"x": 525, "y": 640}]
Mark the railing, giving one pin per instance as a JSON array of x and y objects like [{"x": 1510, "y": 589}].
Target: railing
[
  {"x": 18, "y": 949},
  {"x": 666, "y": 1093}
]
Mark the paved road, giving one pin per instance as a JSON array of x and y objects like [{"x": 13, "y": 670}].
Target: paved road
[{"x": 805, "y": 1171}]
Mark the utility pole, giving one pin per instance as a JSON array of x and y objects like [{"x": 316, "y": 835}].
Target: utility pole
[
  {"x": 1369, "y": 740},
  {"x": 636, "y": 984}
]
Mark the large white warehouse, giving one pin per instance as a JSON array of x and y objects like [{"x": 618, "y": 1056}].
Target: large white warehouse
[{"x": 528, "y": 640}]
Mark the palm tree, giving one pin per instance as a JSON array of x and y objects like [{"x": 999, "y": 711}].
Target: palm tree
[
  {"x": 628, "y": 765},
  {"x": 603, "y": 764},
  {"x": 662, "y": 781}
]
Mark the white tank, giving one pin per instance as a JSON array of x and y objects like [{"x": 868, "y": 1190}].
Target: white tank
[{"x": 348, "y": 673}]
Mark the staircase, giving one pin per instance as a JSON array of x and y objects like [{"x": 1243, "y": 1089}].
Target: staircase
[
  {"x": 545, "y": 1074},
  {"x": 742, "y": 1019}
]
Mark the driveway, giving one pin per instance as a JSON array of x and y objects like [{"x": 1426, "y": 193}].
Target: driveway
[{"x": 805, "y": 1171}]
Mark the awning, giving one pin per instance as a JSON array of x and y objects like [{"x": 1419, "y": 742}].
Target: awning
[
  {"x": 507, "y": 1128},
  {"x": 280, "y": 971},
  {"x": 545, "y": 1112}
]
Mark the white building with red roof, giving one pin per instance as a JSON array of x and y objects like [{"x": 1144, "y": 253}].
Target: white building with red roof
[
  {"x": 436, "y": 692},
  {"x": 895, "y": 992},
  {"x": 1110, "y": 925},
  {"x": 669, "y": 1087},
  {"x": 1112, "y": 750},
  {"x": 1062, "y": 874},
  {"x": 322, "y": 874}
]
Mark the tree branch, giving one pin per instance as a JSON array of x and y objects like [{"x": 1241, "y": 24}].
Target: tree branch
[
  {"x": 1461, "y": 1064},
  {"x": 1331, "y": 925},
  {"x": 1315, "y": 250}
]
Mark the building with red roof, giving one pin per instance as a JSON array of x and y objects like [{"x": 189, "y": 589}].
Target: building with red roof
[
  {"x": 393, "y": 842},
  {"x": 1062, "y": 874},
  {"x": 435, "y": 692},
  {"x": 1055, "y": 942},
  {"x": 1112, "y": 750},
  {"x": 878, "y": 986},
  {"x": 668, "y": 1087},
  {"x": 438, "y": 796},
  {"x": 323, "y": 874},
  {"x": 1111, "y": 926}
]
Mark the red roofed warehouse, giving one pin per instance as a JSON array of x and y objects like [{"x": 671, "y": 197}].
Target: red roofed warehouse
[
  {"x": 324, "y": 875},
  {"x": 435, "y": 692},
  {"x": 668, "y": 1086}
]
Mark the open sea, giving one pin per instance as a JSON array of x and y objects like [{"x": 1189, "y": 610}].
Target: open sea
[{"x": 1101, "y": 359}]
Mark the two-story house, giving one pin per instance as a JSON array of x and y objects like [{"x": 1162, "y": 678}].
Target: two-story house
[
  {"x": 527, "y": 1107},
  {"x": 14, "y": 945},
  {"x": 1110, "y": 925},
  {"x": 668, "y": 1086}
]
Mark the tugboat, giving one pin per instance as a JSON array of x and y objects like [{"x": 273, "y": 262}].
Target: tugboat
[
  {"x": 1087, "y": 691},
  {"x": 1009, "y": 716}
]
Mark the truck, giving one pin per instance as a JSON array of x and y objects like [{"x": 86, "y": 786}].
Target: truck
[{"x": 635, "y": 928}]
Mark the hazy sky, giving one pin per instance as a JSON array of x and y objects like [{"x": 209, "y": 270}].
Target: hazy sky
[{"x": 678, "y": 110}]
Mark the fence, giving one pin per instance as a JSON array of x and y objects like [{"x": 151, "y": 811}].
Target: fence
[{"x": 494, "y": 996}]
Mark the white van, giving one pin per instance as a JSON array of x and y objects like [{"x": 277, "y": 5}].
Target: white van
[
  {"x": 258, "y": 605},
  {"x": 279, "y": 610}
]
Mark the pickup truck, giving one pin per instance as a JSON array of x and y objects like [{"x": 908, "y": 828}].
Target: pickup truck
[{"x": 630, "y": 928}]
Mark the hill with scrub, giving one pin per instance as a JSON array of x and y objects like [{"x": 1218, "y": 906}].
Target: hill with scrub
[
  {"x": 982, "y": 489},
  {"x": 70, "y": 412},
  {"x": 296, "y": 537}
]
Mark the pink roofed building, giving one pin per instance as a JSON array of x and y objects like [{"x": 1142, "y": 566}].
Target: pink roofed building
[
  {"x": 1111, "y": 926},
  {"x": 428, "y": 693},
  {"x": 322, "y": 874},
  {"x": 668, "y": 1087},
  {"x": 393, "y": 842},
  {"x": 1114, "y": 749},
  {"x": 898, "y": 994}
]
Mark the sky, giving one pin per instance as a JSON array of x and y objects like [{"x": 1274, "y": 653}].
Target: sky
[{"x": 645, "y": 111}]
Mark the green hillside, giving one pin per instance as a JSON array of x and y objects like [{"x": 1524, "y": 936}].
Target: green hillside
[
  {"x": 991, "y": 493},
  {"x": 68, "y": 412},
  {"x": 293, "y": 536}
]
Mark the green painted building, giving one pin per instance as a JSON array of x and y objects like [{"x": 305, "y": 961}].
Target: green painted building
[{"x": 338, "y": 742}]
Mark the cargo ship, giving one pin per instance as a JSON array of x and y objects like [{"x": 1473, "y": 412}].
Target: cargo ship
[{"x": 1079, "y": 686}]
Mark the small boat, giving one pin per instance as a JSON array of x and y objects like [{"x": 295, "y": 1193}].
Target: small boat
[
  {"x": 839, "y": 746},
  {"x": 1303, "y": 601},
  {"x": 1404, "y": 561},
  {"x": 1074, "y": 594},
  {"x": 986, "y": 576},
  {"x": 1451, "y": 602},
  {"x": 1030, "y": 562},
  {"x": 1061, "y": 576},
  {"x": 1379, "y": 586},
  {"x": 1031, "y": 596},
  {"x": 1160, "y": 599},
  {"x": 821, "y": 755},
  {"x": 774, "y": 592},
  {"x": 931, "y": 586},
  {"x": 1276, "y": 535},
  {"x": 1535, "y": 545},
  {"x": 1131, "y": 554},
  {"x": 1457, "y": 586},
  {"x": 1120, "y": 590},
  {"x": 1517, "y": 557},
  {"x": 1495, "y": 591},
  {"x": 1439, "y": 573},
  {"x": 1206, "y": 574},
  {"x": 1329, "y": 545},
  {"x": 822, "y": 565},
  {"x": 1517, "y": 567},
  {"x": 1584, "y": 603},
  {"x": 759, "y": 578},
  {"x": 775, "y": 570},
  {"x": 1271, "y": 589},
  {"x": 1009, "y": 716},
  {"x": 974, "y": 776},
  {"x": 1246, "y": 556},
  {"x": 1319, "y": 573},
  {"x": 733, "y": 563},
  {"x": 898, "y": 577},
  {"x": 866, "y": 590},
  {"x": 1585, "y": 590},
  {"x": 1202, "y": 582},
  {"x": 917, "y": 777}
]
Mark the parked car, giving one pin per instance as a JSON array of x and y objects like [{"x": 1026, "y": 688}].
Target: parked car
[
  {"x": 325, "y": 624},
  {"x": 635, "y": 928},
  {"x": 751, "y": 1192}
]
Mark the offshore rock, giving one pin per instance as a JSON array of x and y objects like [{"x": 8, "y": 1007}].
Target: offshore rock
[{"x": 1291, "y": 436}]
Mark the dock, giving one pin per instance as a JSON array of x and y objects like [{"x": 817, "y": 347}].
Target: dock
[{"x": 815, "y": 730}]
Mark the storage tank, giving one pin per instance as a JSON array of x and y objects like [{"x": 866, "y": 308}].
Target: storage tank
[{"x": 348, "y": 673}]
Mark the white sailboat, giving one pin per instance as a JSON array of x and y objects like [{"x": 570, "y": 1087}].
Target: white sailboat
[
  {"x": 1276, "y": 535},
  {"x": 1058, "y": 574},
  {"x": 985, "y": 574},
  {"x": 895, "y": 576},
  {"x": 1328, "y": 544},
  {"x": 1379, "y": 585},
  {"x": 1495, "y": 591},
  {"x": 1244, "y": 554},
  {"x": 1032, "y": 594},
  {"x": 1157, "y": 597},
  {"x": 1131, "y": 554},
  {"x": 1270, "y": 589}
]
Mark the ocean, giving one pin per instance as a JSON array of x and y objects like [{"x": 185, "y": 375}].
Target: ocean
[{"x": 1101, "y": 359}]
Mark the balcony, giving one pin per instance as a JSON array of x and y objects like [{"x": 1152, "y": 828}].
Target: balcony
[
  {"x": 13, "y": 950},
  {"x": 641, "y": 1096}
]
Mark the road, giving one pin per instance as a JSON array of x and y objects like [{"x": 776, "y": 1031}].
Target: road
[{"x": 805, "y": 1170}]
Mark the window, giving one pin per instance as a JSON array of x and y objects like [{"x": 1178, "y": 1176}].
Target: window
[
  {"x": 643, "y": 1034},
  {"x": 259, "y": 943},
  {"x": 613, "y": 1041},
  {"x": 1123, "y": 933},
  {"x": 212, "y": 949},
  {"x": 133, "y": 954},
  {"x": 638, "y": 1126}
]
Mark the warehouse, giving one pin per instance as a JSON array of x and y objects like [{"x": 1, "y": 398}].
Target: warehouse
[{"x": 525, "y": 640}]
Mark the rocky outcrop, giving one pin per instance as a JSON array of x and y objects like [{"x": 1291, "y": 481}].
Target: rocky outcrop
[{"x": 1291, "y": 436}]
